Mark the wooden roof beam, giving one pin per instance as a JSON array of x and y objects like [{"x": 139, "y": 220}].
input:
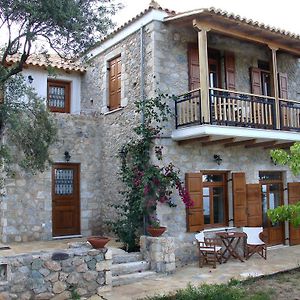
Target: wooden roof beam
[
  {"x": 238, "y": 34},
  {"x": 280, "y": 146},
  {"x": 205, "y": 138},
  {"x": 220, "y": 141},
  {"x": 262, "y": 144},
  {"x": 240, "y": 143}
]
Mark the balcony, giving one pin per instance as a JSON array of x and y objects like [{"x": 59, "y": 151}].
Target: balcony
[{"x": 236, "y": 118}]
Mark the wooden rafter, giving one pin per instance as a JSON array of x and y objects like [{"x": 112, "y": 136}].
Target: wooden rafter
[
  {"x": 201, "y": 139},
  {"x": 220, "y": 141},
  {"x": 280, "y": 146},
  {"x": 240, "y": 143},
  {"x": 262, "y": 144}
]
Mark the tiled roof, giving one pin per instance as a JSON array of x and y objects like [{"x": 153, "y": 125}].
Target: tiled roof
[
  {"x": 152, "y": 6},
  {"x": 235, "y": 17},
  {"x": 54, "y": 61}
]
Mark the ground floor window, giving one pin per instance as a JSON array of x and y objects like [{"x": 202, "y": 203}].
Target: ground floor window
[{"x": 214, "y": 199}]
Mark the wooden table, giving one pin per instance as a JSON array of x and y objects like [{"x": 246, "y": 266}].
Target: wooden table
[{"x": 231, "y": 241}]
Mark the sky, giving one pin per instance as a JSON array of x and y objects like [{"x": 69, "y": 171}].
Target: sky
[{"x": 282, "y": 14}]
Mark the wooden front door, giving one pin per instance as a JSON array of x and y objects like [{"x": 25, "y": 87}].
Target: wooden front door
[
  {"x": 65, "y": 199},
  {"x": 272, "y": 196}
]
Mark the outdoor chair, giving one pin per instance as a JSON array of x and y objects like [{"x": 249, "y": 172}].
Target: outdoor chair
[
  {"x": 210, "y": 250},
  {"x": 254, "y": 242}
]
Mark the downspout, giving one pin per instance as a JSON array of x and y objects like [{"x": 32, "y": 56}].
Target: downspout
[
  {"x": 142, "y": 62},
  {"x": 142, "y": 94}
]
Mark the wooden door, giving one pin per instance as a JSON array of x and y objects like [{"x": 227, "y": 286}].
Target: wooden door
[
  {"x": 65, "y": 199},
  {"x": 239, "y": 199},
  {"x": 254, "y": 207},
  {"x": 115, "y": 83},
  {"x": 294, "y": 197},
  {"x": 272, "y": 196}
]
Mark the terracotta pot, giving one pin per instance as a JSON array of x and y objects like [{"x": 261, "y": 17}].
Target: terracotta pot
[
  {"x": 98, "y": 242},
  {"x": 155, "y": 232}
]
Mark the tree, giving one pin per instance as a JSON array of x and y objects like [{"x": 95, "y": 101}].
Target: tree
[
  {"x": 69, "y": 27},
  {"x": 290, "y": 212}
]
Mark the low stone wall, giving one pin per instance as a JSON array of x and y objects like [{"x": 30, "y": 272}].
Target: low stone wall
[
  {"x": 56, "y": 274},
  {"x": 160, "y": 252}
]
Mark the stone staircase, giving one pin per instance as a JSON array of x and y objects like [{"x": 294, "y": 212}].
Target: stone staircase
[{"x": 129, "y": 267}]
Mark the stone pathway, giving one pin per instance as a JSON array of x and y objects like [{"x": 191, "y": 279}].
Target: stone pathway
[{"x": 279, "y": 259}]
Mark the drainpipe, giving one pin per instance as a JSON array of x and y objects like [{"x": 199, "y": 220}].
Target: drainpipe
[
  {"x": 142, "y": 62},
  {"x": 142, "y": 94}
]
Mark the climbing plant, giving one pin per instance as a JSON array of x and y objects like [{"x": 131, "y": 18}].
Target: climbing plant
[
  {"x": 290, "y": 212},
  {"x": 146, "y": 184}
]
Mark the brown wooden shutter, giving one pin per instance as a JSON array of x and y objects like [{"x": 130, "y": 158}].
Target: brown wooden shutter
[
  {"x": 283, "y": 85},
  {"x": 254, "y": 205},
  {"x": 194, "y": 71},
  {"x": 115, "y": 83},
  {"x": 230, "y": 70},
  {"x": 294, "y": 197},
  {"x": 239, "y": 199},
  {"x": 255, "y": 75},
  {"x": 194, "y": 215}
]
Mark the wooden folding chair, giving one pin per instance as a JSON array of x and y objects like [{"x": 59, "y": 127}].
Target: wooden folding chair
[
  {"x": 254, "y": 242},
  {"x": 210, "y": 250}
]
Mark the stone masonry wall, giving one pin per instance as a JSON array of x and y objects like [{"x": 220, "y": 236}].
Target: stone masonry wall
[
  {"x": 56, "y": 274},
  {"x": 27, "y": 208}
]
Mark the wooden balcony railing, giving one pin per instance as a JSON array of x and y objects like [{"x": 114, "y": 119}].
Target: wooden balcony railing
[
  {"x": 289, "y": 115},
  {"x": 231, "y": 108}
]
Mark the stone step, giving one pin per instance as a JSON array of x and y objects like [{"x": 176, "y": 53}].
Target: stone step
[
  {"x": 130, "y": 278},
  {"x": 131, "y": 267},
  {"x": 127, "y": 257}
]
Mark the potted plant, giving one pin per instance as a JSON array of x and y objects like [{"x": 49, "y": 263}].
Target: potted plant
[
  {"x": 154, "y": 228},
  {"x": 98, "y": 242}
]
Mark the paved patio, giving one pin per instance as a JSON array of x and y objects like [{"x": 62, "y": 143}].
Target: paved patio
[{"x": 279, "y": 259}]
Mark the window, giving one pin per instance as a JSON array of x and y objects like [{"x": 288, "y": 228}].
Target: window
[
  {"x": 214, "y": 199},
  {"x": 114, "y": 83},
  {"x": 59, "y": 96}
]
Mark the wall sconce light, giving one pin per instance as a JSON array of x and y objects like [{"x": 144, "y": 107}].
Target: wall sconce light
[
  {"x": 217, "y": 159},
  {"x": 30, "y": 79},
  {"x": 67, "y": 156},
  {"x": 273, "y": 161}
]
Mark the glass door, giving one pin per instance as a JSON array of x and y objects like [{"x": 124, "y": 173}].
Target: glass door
[{"x": 272, "y": 197}]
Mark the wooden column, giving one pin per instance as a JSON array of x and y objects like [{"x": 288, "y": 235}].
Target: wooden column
[
  {"x": 275, "y": 85},
  {"x": 203, "y": 67}
]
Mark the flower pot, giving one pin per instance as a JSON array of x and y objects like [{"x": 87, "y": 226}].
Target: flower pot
[
  {"x": 156, "y": 231},
  {"x": 98, "y": 242}
]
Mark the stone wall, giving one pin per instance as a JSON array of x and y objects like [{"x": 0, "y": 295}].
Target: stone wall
[
  {"x": 56, "y": 274},
  {"x": 27, "y": 207},
  {"x": 160, "y": 252}
]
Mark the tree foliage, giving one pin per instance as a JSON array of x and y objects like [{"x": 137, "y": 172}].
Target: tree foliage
[
  {"x": 290, "y": 159},
  {"x": 69, "y": 27},
  {"x": 290, "y": 213},
  {"x": 146, "y": 184}
]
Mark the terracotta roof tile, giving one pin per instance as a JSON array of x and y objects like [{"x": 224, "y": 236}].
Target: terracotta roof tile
[{"x": 39, "y": 60}]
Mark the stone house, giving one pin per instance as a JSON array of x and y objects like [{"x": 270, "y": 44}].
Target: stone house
[{"x": 239, "y": 86}]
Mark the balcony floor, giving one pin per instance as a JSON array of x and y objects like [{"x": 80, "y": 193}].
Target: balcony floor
[{"x": 228, "y": 135}]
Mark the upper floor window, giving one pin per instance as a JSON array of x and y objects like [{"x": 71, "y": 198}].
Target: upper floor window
[
  {"x": 114, "y": 83},
  {"x": 58, "y": 96}
]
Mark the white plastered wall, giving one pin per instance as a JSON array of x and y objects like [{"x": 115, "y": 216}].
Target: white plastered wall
[{"x": 40, "y": 77}]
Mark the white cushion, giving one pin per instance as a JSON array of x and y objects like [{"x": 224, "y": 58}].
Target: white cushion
[
  {"x": 200, "y": 237},
  {"x": 218, "y": 248},
  {"x": 253, "y": 235}
]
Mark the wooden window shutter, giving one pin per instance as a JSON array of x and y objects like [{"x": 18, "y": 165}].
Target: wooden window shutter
[
  {"x": 294, "y": 197},
  {"x": 254, "y": 207},
  {"x": 239, "y": 199},
  {"x": 194, "y": 71},
  {"x": 283, "y": 85},
  {"x": 230, "y": 70},
  {"x": 255, "y": 76},
  {"x": 115, "y": 83},
  {"x": 194, "y": 215}
]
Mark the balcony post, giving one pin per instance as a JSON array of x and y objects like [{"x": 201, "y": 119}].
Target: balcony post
[
  {"x": 275, "y": 85},
  {"x": 203, "y": 68}
]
